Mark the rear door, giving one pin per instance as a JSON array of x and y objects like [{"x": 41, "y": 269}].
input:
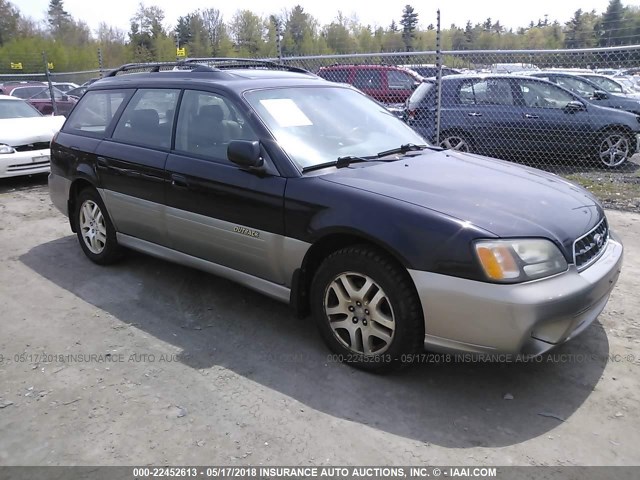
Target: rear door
[
  {"x": 131, "y": 164},
  {"x": 491, "y": 112},
  {"x": 215, "y": 210}
]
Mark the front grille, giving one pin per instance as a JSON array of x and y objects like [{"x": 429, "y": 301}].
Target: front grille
[
  {"x": 32, "y": 146},
  {"x": 590, "y": 246}
]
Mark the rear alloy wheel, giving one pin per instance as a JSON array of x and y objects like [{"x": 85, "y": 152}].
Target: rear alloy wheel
[
  {"x": 455, "y": 142},
  {"x": 94, "y": 229},
  {"x": 615, "y": 149},
  {"x": 367, "y": 309}
]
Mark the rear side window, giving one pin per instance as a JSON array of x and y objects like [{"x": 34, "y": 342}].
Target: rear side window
[
  {"x": 148, "y": 118},
  {"x": 93, "y": 114},
  {"x": 339, "y": 76},
  {"x": 367, "y": 79},
  {"x": 486, "y": 92},
  {"x": 399, "y": 80}
]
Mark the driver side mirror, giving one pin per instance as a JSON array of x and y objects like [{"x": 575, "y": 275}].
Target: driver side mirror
[
  {"x": 574, "y": 106},
  {"x": 600, "y": 95},
  {"x": 415, "y": 85},
  {"x": 246, "y": 154}
]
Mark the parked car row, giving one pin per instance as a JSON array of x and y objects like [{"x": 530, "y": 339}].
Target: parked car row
[
  {"x": 524, "y": 117},
  {"x": 38, "y": 94}
]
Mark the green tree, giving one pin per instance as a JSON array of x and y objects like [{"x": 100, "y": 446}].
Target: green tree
[
  {"x": 9, "y": 21},
  {"x": 247, "y": 30},
  {"x": 612, "y": 25},
  {"x": 57, "y": 18},
  {"x": 409, "y": 24}
]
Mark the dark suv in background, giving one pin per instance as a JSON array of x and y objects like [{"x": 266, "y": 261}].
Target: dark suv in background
[
  {"x": 521, "y": 117},
  {"x": 310, "y": 192},
  {"x": 387, "y": 84}
]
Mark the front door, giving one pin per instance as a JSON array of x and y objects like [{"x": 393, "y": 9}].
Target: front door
[{"x": 215, "y": 210}]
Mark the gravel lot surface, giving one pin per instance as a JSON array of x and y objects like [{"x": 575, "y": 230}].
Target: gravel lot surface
[{"x": 146, "y": 362}]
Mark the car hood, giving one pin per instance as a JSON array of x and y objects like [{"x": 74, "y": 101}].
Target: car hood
[
  {"x": 21, "y": 131},
  {"x": 502, "y": 198}
]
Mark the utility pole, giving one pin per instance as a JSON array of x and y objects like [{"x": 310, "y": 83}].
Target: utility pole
[
  {"x": 48, "y": 77},
  {"x": 438, "y": 79}
]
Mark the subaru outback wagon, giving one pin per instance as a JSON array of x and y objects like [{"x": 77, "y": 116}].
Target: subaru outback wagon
[{"x": 315, "y": 195}]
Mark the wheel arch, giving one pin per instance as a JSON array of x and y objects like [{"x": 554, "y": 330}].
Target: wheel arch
[
  {"x": 77, "y": 185},
  {"x": 323, "y": 247}
]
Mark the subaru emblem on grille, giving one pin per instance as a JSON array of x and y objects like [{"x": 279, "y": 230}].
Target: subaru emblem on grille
[{"x": 599, "y": 239}]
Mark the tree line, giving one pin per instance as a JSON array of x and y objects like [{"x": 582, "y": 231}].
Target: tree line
[{"x": 71, "y": 45}]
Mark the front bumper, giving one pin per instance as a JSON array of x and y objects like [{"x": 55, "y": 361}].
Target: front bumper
[
  {"x": 529, "y": 318},
  {"x": 24, "y": 163}
]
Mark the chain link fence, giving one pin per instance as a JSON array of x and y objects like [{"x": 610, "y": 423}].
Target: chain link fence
[{"x": 572, "y": 112}]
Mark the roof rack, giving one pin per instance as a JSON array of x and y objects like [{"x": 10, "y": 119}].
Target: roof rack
[{"x": 204, "y": 64}]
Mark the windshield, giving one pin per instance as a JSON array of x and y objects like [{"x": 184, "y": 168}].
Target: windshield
[
  {"x": 17, "y": 109},
  {"x": 319, "y": 124}
]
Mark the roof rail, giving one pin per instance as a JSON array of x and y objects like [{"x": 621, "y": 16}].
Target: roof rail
[
  {"x": 204, "y": 64},
  {"x": 234, "y": 62}
]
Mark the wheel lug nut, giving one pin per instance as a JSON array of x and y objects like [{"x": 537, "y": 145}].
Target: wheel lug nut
[
  {"x": 355, "y": 320},
  {"x": 351, "y": 309},
  {"x": 358, "y": 304},
  {"x": 364, "y": 322},
  {"x": 366, "y": 312}
]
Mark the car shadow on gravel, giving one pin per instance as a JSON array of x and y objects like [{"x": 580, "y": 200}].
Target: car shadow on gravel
[
  {"x": 216, "y": 322},
  {"x": 29, "y": 182}
]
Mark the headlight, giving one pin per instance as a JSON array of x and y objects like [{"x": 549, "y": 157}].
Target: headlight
[
  {"x": 6, "y": 149},
  {"x": 519, "y": 260}
]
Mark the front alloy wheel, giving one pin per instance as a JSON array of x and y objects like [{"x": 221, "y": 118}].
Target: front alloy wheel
[
  {"x": 367, "y": 308},
  {"x": 359, "y": 313},
  {"x": 615, "y": 149}
]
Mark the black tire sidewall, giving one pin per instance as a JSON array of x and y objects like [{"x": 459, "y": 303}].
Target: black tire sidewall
[
  {"x": 409, "y": 331},
  {"x": 111, "y": 250}
]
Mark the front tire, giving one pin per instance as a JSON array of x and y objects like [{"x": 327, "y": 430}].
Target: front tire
[
  {"x": 455, "y": 141},
  {"x": 95, "y": 231},
  {"x": 367, "y": 309}
]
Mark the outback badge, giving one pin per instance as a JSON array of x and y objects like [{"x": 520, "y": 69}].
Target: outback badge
[{"x": 246, "y": 231}]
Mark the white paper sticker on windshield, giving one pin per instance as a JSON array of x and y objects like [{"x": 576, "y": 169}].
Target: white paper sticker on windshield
[{"x": 286, "y": 112}]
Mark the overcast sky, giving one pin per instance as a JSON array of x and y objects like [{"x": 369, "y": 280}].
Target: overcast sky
[{"x": 511, "y": 13}]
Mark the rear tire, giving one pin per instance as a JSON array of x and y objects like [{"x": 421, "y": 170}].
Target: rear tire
[
  {"x": 367, "y": 309},
  {"x": 455, "y": 141},
  {"x": 95, "y": 231}
]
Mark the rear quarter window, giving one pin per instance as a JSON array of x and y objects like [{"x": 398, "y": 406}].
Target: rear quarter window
[
  {"x": 95, "y": 111},
  {"x": 339, "y": 76}
]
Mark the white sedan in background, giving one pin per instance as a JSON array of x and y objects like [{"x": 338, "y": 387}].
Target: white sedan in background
[{"x": 25, "y": 135}]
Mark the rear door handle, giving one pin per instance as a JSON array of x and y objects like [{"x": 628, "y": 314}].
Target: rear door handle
[
  {"x": 102, "y": 162},
  {"x": 179, "y": 181},
  {"x": 474, "y": 114},
  {"x": 528, "y": 115}
]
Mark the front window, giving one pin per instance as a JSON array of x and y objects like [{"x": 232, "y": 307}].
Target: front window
[
  {"x": 543, "y": 95},
  {"x": 607, "y": 85},
  {"x": 319, "y": 124},
  {"x": 17, "y": 109},
  {"x": 577, "y": 86}
]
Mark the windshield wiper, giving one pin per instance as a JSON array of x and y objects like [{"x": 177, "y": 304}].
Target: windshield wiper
[
  {"x": 341, "y": 162},
  {"x": 408, "y": 147}
]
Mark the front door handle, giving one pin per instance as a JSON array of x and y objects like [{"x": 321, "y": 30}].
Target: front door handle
[
  {"x": 529, "y": 115},
  {"x": 474, "y": 114},
  {"x": 179, "y": 181},
  {"x": 102, "y": 162}
]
